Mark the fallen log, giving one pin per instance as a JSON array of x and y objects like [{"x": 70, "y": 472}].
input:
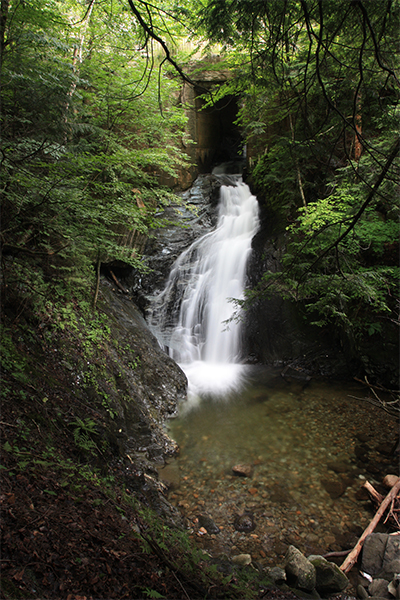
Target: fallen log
[
  {"x": 352, "y": 557},
  {"x": 117, "y": 283}
]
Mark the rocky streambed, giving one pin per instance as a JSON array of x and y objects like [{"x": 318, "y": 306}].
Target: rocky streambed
[{"x": 281, "y": 463}]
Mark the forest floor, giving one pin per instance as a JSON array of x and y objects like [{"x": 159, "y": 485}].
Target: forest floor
[{"x": 70, "y": 528}]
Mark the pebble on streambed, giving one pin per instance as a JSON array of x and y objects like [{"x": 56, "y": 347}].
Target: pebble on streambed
[{"x": 243, "y": 470}]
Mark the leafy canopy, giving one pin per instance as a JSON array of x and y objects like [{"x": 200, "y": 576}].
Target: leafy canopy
[
  {"x": 91, "y": 126},
  {"x": 319, "y": 84}
]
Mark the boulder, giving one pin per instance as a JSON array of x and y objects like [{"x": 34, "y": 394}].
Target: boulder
[
  {"x": 329, "y": 578},
  {"x": 379, "y": 587},
  {"x": 300, "y": 573},
  {"x": 390, "y": 480},
  {"x": 380, "y": 555}
]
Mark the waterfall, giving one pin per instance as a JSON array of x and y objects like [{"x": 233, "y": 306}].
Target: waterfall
[{"x": 194, "y": 311}]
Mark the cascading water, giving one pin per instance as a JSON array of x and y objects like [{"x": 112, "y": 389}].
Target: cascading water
[{"x": 194, "y": 311}]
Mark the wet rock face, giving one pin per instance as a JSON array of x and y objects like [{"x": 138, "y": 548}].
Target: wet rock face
[
  {"x": 187, "y": 222},
  {"x": 149, "y": 390},
  {"x": 147, "y": 387}
]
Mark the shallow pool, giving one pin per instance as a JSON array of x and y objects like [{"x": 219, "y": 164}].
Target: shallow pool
[{"x": 306, "y": 446}]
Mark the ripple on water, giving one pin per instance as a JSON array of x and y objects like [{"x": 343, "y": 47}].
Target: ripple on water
[{"x": 300, "y": 443}]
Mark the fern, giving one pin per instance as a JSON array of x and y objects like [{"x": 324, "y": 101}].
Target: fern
[{"x": 84, "y": 430}]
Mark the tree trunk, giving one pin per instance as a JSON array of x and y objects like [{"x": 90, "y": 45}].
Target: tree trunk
[{"x": 358, "y": 125}]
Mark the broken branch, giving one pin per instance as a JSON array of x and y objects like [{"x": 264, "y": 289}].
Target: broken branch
[
  {"x": 376, "y": 495},
  {"x": 352, "y": 557}
]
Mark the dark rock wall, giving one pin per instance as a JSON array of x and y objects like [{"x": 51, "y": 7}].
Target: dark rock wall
[
  {"x": 276, "y": 330},
  {"x": 144, "y": 387}
]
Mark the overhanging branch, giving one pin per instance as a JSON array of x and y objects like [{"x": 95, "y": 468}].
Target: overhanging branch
[{"x": 148, "y": 29}]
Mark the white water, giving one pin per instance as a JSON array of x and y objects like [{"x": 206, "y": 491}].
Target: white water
[{"x": 210, "y": 273}]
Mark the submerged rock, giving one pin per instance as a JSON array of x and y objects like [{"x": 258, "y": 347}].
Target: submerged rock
[
  {"x": 170, "y": 475},
  {"x": 243, "y": 470},
  {"x": 335, "y": 488},
  {"x": 339, "y": 466},
  {"x": 244, "y": 523},
  {"x": 208, "y": 524},
  {"x": 241, "y": 559}
]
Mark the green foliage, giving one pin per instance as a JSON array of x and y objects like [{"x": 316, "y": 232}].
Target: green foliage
[
  {"x": 274, "y": 172},
  {"x": 11, "y": 360},
  {"x": 152, "y": 593},
  {"x": 345, "y": 283},
  {"x": 84, "y": 432},
  {"x": 84, "y": 143}
]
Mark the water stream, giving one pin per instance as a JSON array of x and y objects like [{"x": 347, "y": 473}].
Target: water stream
[{"x": 204, "y": 339}]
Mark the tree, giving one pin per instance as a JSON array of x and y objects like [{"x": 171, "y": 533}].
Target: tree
[
  {"x": 320, "y": 91},
  {"x": 84, "y": 142}
]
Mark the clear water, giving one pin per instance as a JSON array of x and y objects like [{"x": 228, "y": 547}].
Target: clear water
[{"x": 300, "y": 442}]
